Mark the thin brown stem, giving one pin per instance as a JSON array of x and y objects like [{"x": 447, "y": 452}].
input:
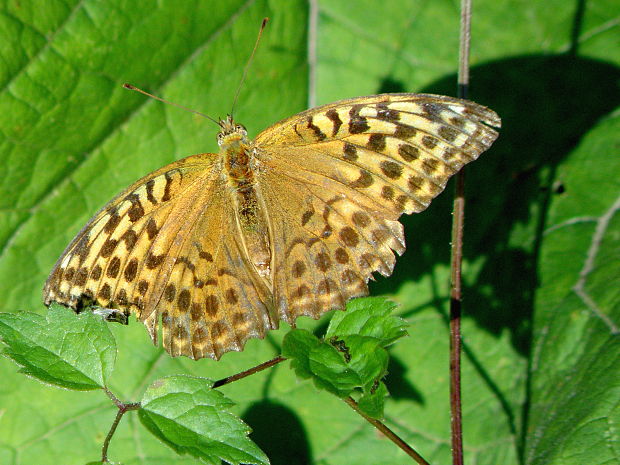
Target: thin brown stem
[
  {"x": 456, "y": 422},
  {"x": 111, "y": 395},
  {"x": 350, "y": 401},
  {"x": 251, "y": 371},
  {"x": 123, "y": 408},
  {"x": 108, "y": 438},
  {"x": 456, "y": 291},
  {"x": 464, "y": 44},
  {"x": 388, "y": 433}
]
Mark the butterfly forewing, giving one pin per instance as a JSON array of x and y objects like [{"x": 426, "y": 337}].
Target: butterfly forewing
[
  {"x": 220, "y": 247},
  {"x": 400, "y": 148},
  {"x": 89, "y": 268},
  {"x": 166, "y": 249}
]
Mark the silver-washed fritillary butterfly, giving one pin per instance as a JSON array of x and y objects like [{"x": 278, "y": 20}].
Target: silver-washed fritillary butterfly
[{"x": 224, "y": 246}]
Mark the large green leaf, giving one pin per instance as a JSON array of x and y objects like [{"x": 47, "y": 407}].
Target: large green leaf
[
  {"x": 71, "y": 138},
  {"x": 575, "y": 381},
  {"x": 185, "y": 413}
]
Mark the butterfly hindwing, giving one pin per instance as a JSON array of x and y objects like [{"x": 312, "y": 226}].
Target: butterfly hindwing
[
  {"x": 211, "y": 299},
  {"x": 327, "y": 242}
]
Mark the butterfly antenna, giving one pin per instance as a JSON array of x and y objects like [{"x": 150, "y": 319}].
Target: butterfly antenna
[
  {"x": 247, "y": 66},
  {"x": 130, "y": 87}
]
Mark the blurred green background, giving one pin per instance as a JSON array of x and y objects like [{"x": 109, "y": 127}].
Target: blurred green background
[{"x": 541, "y": 376}]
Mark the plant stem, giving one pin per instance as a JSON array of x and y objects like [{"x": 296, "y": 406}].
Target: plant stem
[
  {"x": 122, "y": 409},
  {"x": 456, "y": 422},
  {"x": 391, "y": 435},
  {"x": 251, "y": 371},
  {"x": 456, "y": 291},
  {"x": 376, "y": 423}
]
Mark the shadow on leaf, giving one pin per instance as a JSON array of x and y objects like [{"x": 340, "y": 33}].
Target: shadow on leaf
[
  {"x": 279, "y": 433},
  {"x": 397, "y": 384},
  {"x": 547, "y": 104}
]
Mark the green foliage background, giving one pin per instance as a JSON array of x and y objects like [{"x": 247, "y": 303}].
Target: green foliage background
[{"x": 541, "y": 379}]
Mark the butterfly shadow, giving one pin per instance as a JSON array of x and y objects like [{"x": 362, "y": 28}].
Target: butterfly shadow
[
  {"x": 547, "y": 103},
  {"x": 284, "y": 441}
]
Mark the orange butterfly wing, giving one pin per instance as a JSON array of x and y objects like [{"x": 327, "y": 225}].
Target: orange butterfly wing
[
  {"x": 337, "y": 178},
  {"x": 168, "y": 247}
]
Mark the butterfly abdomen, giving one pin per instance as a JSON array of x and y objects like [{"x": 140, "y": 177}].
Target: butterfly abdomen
[{"x": 250, "y": 215}]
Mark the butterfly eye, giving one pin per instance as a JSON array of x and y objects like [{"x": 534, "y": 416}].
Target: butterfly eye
[
  {"x": 220, "y": 138},
  {"x": 240, "y": 128}
]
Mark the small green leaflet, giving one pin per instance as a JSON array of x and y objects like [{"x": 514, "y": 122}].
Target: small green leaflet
[
  {"x": 190, "y": 417},
  {"x": 61, "y": 348},
  {"x": 352, "y": 356}
]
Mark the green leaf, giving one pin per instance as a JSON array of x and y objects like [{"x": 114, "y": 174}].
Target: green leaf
[
  {"x": 351, "y": 360},
  {"x": 368, "y": 317},
  {"x": 366, "y": 357},
  {"x": 67, "y": 350},
  {"x": 186, "y": 414},
  {"x": 340, "y": 366},
  {"x": 297, "y": 346},
  {"x": 372, "y": 402},
  {"x": 316, "y": 359},
  {"x": 576, "y": 380}
]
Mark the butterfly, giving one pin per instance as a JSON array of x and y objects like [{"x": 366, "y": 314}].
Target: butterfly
[{"x": 221, "y": 247}]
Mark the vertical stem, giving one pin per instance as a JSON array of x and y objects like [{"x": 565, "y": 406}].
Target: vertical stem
[
  {"x": 123, "y": 408},
  {"x": 464, "y": 42},
  {"x": 458, "y": 220},
  {"x": 313, "y": 24},
  {"x": 106, "y": 442}
]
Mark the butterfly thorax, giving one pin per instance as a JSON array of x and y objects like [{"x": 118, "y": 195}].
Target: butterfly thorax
[{"x": 236, "y": 151}]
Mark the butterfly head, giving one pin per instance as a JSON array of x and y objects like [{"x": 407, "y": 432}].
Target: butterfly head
[{"x": 230, "y": 132}]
